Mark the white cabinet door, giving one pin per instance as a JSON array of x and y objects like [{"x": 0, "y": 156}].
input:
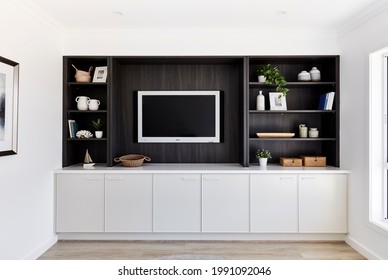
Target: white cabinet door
[
  {"x": 80, "y": 203},
  {"x": 225, "y": 203},
  {"x": 177, "y": 203},
  {"x": 274, "y": 203},
  {"x": 322, "y": 203},
  {"x": 128, "y": 203}
]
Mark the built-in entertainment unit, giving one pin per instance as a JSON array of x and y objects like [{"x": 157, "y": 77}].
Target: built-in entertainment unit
[{"x": 179, "y": 116}]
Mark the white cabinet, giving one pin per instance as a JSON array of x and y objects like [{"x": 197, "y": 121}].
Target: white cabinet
[
  {"x": 128, "y": 202},
  {"x": 225, "y": 203},
  {"x": 80, "y": 203},
  {"x": 274, "y": 203},
  {"x": 177, "y": 202},
  {"x": 322, "y": 203}
]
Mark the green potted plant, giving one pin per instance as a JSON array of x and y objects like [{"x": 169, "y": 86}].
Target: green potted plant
[
  {"x": 263, "y": 156},
  {"x": 97, "y": 124},
  {"x": 272, "y": 75}
]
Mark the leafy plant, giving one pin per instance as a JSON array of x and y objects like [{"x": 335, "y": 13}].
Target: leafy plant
[
  {"x": 262, "y": 153},
  {"x": 98, "y": 124},
  {"x": 273, "y": 76}
]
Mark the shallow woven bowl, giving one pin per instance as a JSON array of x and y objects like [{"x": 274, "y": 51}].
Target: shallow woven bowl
[{"x": 132, "y": 160}]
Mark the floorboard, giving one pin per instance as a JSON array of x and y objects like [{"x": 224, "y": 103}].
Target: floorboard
[{"x": 231, "y": 250}]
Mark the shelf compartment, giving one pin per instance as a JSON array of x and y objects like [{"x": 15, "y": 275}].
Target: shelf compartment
[
  {"x": 292, "y": 84},
  {"x": 292, "y": 112},
  {"x": 86, "y": 111},
  {"x": 87, "y": 139},
  {"x": 292, "y": 139}
]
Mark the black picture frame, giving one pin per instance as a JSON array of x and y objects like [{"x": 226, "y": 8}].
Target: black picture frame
[{"x": 9, "y": 95}]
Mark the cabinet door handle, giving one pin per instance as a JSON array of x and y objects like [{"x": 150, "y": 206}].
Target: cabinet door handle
[
  {"x": 212, "y": 178},
  {"x": 190, "y": 178},
  {"x": 307, "y": 178},
  {"x": 114, "y": 178},
  {"x": 93, "y": 178}
]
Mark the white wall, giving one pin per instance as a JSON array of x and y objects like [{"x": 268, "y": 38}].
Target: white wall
[
  {"x": 26, "y": 179},
  {"x": 355, "y": 48},
  {"x": 202, "y": 42}
]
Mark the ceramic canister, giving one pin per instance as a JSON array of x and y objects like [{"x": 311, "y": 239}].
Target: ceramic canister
[
  {"x": 313, "y": 133},
  {"x": 302, "y": 131}
]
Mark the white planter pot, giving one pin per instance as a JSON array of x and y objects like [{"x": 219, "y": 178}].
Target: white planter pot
[
  {"x": 98, "y": 134},
  {"x": 263, "y": 161},
  {"x": 261, "y": 78}
]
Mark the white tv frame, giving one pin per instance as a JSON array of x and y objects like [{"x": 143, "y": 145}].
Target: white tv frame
[{"x": 212, "y": 139}]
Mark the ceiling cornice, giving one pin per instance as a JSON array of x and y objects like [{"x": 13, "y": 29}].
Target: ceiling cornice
[
  {"x": 365, "y": 15},
  {"x": 39, "y": 14}
]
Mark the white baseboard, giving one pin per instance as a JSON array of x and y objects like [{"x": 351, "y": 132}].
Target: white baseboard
[
  {"x": 362, "y": 249},
  {"x": 42, "y": 248}
]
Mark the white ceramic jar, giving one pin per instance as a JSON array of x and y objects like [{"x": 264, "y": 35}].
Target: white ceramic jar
[
  {"x": 93, "y": 104},
  {"x": 304, "y": 76},
  {"x": 82, "y": 102},
  {"x": 302, "y": 131},
  {"x": 315, "y": 74},
  {"x": 313, "y": 133}
]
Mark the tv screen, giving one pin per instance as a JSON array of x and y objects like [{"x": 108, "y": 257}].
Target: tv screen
[{"x": 178, "y": 116}]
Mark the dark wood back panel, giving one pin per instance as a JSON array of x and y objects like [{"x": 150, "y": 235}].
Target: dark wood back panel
[{"x": 134, "y": 76}]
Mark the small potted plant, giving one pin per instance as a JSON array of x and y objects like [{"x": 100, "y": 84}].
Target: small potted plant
[
  {"x": 263, "y": 156},
  {"x": 98, "y": 125},
  {"x": 272, "y": 76}
]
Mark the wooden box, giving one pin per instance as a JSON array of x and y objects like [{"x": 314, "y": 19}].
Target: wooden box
[
  {"x": 293, "y": 162},
  {"x": 315, "y": 161}
]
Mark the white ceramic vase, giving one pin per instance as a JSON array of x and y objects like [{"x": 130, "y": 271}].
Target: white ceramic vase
[
  {"x": 82, "y": 102},
  {"x": 315, "y": 74}
]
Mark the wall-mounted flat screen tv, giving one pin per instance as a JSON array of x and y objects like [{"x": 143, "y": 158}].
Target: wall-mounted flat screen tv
[{"x": 179, "y": 116}]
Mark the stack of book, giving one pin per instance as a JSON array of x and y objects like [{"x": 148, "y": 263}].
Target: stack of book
[
  {"x": 326, "y": 101},
  {"x": 73, "y": 128}
]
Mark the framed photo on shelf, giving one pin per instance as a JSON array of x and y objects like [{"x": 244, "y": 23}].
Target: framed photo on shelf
[
  {"x": 100, "y": 74},
  {"x": 277, "y": 101},
  {"x": 9, "y": 91}
]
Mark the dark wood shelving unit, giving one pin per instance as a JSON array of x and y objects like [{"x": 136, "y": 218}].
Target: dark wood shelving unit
[
  {"x": 302, "y": 108},
  {"x": 74, "y": 148},
  {"x": 235, "y": 76}
]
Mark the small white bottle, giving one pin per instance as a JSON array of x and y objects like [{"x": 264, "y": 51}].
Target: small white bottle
[{"x": 260, "y": 102}]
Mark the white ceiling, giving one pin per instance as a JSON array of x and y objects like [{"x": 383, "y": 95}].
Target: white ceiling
[{"x": 138, "y": 14}]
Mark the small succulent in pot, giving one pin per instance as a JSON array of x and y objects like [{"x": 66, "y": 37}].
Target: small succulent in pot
[
  {"x": 97, "y": 124},
  {"x": 263, "y": 156},
  {"x": 262, "y": 153}
]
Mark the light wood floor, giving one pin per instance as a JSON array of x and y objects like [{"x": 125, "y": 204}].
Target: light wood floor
[{"x": 232, "y": 250}]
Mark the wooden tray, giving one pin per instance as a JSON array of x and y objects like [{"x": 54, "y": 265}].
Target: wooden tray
[{"x": 275, "y": 134}]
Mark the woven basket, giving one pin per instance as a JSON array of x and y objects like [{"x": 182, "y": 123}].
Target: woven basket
[{"x": 132, "y": 160}]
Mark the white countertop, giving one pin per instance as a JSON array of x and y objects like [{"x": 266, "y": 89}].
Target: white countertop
[{"x": 199, "y": 168}]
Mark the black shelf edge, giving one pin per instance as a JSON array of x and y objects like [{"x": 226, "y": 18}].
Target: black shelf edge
[
  {"x": 292, "y": 139},
  {"x": 86, "y": 84},
  {"x": 87, "y": 139},
  {"x": 291, "y": 112},
  {"x": 87, "y": 111},
  {"x": 291, "y": 84}
]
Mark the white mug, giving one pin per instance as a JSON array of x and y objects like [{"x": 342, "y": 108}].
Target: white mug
[{"x": 93, "y": 104}]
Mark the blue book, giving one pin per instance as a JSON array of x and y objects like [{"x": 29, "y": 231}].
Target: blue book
[{"x": 323, "y": 101}]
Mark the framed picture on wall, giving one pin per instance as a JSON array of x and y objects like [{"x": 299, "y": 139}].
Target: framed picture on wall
[
  {"x": 9, "y": 91},
  {"x": 100, "y": 74},
  {"x": 277, "y": 101}
]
